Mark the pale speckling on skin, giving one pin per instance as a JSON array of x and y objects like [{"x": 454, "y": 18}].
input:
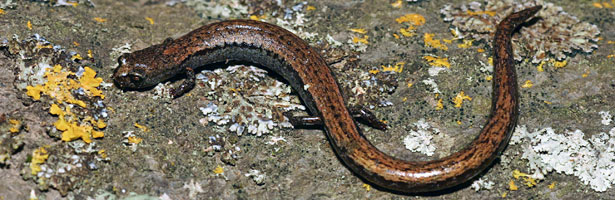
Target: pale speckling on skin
[
  {"x": 592, "y": 160},
  {"x": 541, "y": 41}
]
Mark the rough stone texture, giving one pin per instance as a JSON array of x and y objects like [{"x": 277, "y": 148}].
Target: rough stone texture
[{"x": 174, "y": 159}]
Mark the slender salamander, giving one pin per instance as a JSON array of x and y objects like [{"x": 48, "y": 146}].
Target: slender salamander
[{"x": 288, "y": 55}]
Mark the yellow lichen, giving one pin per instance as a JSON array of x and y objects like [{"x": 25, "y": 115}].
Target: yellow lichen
[
  {"x": 552, "y": 185},
  {"x": 134, "y": 140},
  {"x": 455, "y": 32},
  {"x": 584, "y": 75},
  {"x": 439, "y": 105},
  {"x": 39, "y": 156},
  {"x": 76, "y": 57},
  {"x": 70, "y": 129},
  {"x": 90, "y": 55},
  {"x": 367, "y": 187},
  {"x": 559, "y": 64},
  {"x": 57, "y": 86},
  {"x": 73, "y": 131},
  {"x": 374, "y": 71},
  {"x": 102, "y": 153},
  {"x": 361, "y": 40},
  {"x": 414, "y": 19},
  {"x": 399, "y": 67},
  {"x": 466, "y": 44},
  {"x": 150, "y": 20},
  {"x": 527, "y": 84},
  {"x": 490, "y": 13},
  {"x": 100, "y": 124},
  {"x": 512, "y": 186},
  {"x": 143, "y": 128},
  {"x": 76, "y": 43},
  {"x": 101, "y": 20},
  {"x": 310, "y": 8},
  {"x": 34, "y": 92},
  {"x": 29, "y": 25},
  {"x": 529, "y": 181},
  {"x": 218, "y": 170},
  {"x": 258, "y": 17},
  {"x": 397, "y": 4},
  {"x": 458, "y": 100},
  {"x": 430, "y": 42},
  {"x": 539, "y": 67},
  {"x": 489, "y": 77},
  {"x": 89, "y": 82},
  {"x": 40, "y": 46},
  {"x": 358, "y": 30},
  {"x": 2, "y": 11},
  {"x": 408, "y": 32},
  {"x": 437, "y": 62},
  {"x": 16, "y": 125}
]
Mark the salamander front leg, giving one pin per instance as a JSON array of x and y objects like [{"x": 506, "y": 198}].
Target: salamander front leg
[
  {"x": 364, "y": 114},
  {"x": 185, "y": 86}
]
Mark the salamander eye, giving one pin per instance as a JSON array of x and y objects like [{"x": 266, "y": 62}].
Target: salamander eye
[{"x": 135, "y": 78}]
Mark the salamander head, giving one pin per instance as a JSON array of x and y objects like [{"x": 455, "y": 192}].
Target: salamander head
[{"x": 142, "y": 69}]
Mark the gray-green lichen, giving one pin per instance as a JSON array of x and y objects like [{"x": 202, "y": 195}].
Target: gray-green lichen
[
  {"x": 246, "y": 99},
  {"x": 555, "y": 34}
]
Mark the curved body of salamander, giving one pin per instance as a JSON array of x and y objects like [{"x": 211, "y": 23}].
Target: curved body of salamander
[{"x": 283, "y": 52}]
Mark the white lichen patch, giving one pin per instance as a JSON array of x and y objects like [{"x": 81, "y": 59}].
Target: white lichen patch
[
  {"x": 257, "y": 176},
  {"x": 297, "y": 26},
  {"x": 591, "y": 159},
  {"x": 432, "y": 83},
  {"x": 434, "y": 71},
  {"x": 194, "y": 188},
  {"x": 30, "y": 73},
  {"x": 482, "y": 184},
  {"x": 245, "y": 100},
  {"x": 118, "y": 51},
  {"x": 555, "y": 33},
  {"x": 420, "y": 140},
  {"x": 218, "y": 9},
  {"x": 607, "y": 118}
]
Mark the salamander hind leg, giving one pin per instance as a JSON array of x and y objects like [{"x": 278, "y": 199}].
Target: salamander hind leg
[
  {"x": 367, "y": 117},
  {"x": 361, "y": 112}
]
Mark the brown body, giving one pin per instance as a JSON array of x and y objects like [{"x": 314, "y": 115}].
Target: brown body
[{"x": 281, "y": 51}]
